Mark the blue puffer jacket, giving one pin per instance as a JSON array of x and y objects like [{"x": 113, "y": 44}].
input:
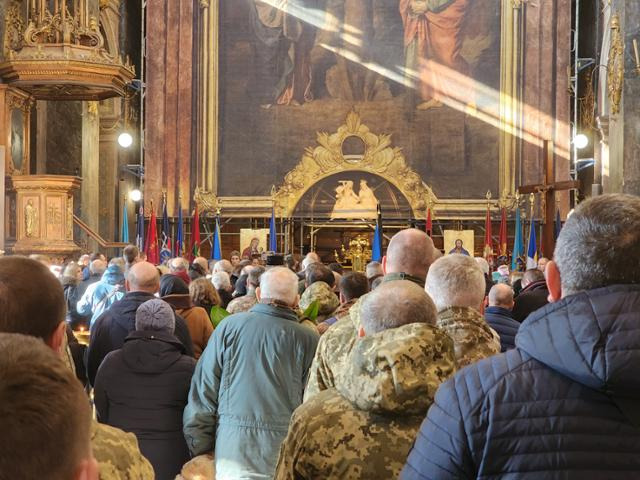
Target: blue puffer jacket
[
  {"x": 248, "y": 382},
  {"x": 551, "y": 408},
  {"x": 501, "y": 321}
]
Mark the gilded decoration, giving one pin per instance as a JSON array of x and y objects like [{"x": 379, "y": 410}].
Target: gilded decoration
[
  {"x": 58, "y": 51},
  {"x": 206, "y": 201},
  {"x": 30, "y": 219},
  {"x": 615, "y": 67},
  {"x": 379, "y": 158}
]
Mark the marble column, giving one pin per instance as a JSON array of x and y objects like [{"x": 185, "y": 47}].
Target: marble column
[
  {"x": 170, "y": 140},
  {"x": 90, "y": 191},
  {"x": 623, "y": 172}
]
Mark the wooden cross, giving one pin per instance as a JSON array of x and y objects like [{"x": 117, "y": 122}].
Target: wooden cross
[{"x": 549, "y": 189}]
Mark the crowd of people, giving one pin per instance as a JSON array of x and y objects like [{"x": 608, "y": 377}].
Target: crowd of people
[{"x": 425, "y": 366}]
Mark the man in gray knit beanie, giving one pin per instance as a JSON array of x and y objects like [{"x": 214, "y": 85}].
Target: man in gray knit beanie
[{"x": 155, "y": 315}]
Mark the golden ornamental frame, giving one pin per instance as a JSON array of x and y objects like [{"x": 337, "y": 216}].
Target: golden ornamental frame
[{"x": 418, "y": 193}]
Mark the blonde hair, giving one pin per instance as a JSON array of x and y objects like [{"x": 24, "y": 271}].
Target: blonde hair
[{"x": 202, "y": 292}]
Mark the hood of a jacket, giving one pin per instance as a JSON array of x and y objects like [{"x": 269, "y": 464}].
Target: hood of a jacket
[
  {"x": 172, "y": 284},
  {"x": 535, "y": 286},
  {"x": 113, "y": 275},
  {"x": 150, "y": 351},
  {"x": 179, "y": 301},
  {"x": 323, "y": 294},
  {"x": 592, "y": 337},
  {"x": 397, "y": 371}
]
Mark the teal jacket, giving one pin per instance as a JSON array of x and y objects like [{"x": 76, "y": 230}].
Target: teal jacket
[{"x": 248, "y": 382}]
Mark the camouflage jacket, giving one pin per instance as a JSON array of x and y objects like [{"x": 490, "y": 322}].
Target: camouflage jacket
[
  {"x": 242, "y": 304},
  {"x": 336, "y": 343},
  {"x": 341, "y": 312},
  {"x": 472, "y": 336},
  {"x": 364, "y": 428},
  {"x": 325, "y": 296},
  {"x": 118, "y": 454}
]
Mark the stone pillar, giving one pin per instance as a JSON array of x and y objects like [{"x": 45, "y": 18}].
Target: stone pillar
[
  {"x": 624, "y": 117},
  {"x": 90, "y": 191},
  {"x": 170, "y": 141}
]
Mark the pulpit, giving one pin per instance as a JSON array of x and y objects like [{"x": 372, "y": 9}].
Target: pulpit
[{"x": 44, "y": 214}]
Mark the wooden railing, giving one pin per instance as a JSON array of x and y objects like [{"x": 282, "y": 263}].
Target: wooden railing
[{"x": 96, "y": 236}]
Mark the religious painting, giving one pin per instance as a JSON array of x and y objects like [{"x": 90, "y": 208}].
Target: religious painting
[
  {"x": 17, "y": 141},
  {"x": 459, "y": 241},
  {"x": 253, "y": 242},
  {"x": 426, "y": 72}
]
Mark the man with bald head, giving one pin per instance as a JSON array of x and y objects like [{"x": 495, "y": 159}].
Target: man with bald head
[
  {"x": 249, "y": 381},
  {"x": 409, "y": 255},
  {"x": 498, "y": 315},
  {"x": 111, "y": 328}
]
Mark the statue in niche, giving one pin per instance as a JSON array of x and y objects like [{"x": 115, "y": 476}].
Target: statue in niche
[
  {"x": 30, "y": 219},
  {"x": 351, "y": 205}
]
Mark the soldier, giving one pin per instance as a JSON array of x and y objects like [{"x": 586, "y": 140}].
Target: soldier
[
  {"x": 365, "y": 426},
  {"x": 457, "y": 286},
  {"x": 244, "y": 303},
  {"x": 32, "y": 303},
  {"x": 409, "y": 255}
]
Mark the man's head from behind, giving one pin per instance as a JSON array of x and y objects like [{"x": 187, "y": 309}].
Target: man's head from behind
[
  {"x": 278, "y": 285},
  {"x": 532, "y": 275},
  {"x": 501, "y": 295},
  {"x": 31, "y": 300},
  {"x": 44, "y": 413},
  {"x": 373, "y": 270},
  {"x": 353, "y": 285},
  {"x": 317, "y": 272},
  {"x": 97, "y": 267},
  {"x": 410, "y": 251},
  {"x": 394, "y": 304},
  {"x": 131, "y": 254},
  {"x": 143, "y": 277},
  {"x": 456, "y": 281},
  {"x": 598, "y": 246}
]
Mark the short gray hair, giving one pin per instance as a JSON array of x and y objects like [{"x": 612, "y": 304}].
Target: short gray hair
[
  {"x": 374, "y": 269},
  {"x": 455, "y": 281},
  {"x": 394, "y": 304},
  {"x": 97, "y": 267},
  {"x": 155, "y": 315},
  {"x": 599, "y": 244},
  {"x": 223, "y": 266},
  {"x": 221, "y": 280},
  {"x": 279, "y": 283},
  {"x": 501, "y": 295},
  {"x": 178, "y": 264},
  {"x": 483, "y": 264}
]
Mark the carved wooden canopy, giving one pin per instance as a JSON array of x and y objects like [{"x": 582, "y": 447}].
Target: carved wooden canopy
[{"x": 331, "y": 156}]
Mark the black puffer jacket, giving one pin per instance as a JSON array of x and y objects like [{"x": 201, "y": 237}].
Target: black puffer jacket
[
  {"x": 112, "y": 327},
  {"x": 143, "y": 388},
  {"x": 562, "y": 405}
]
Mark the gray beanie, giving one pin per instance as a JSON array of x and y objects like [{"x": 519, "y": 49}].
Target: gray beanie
[{"x": 155, "y": 315}]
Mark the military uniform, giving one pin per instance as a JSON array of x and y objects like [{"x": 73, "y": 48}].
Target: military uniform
[
  {"x": 242, "y": 304},
  {"x": 337, "y": 342},
  {"x": 118, "y": 455},
  {"x": 472, "y": 336},
  {"x": 326, "y": 298},
  {"x": 365, "y": 426}
]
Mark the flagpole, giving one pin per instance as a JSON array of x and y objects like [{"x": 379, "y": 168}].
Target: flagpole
[{"x": 532, "y": 200}]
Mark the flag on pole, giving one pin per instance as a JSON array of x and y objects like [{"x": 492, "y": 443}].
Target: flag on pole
[
  {"x": 518, "y": 245},
  {"x": 140, "y": 229},
  {"x": 151, "y": 246},
  {"x": 179, "y": 234},
  {"x": 165, "y": 249},
  {"x": 429, "y": 225},
  {"x": 558, "y": 225},
  {"x": 532, "y": 249},
  {"x": 195, "y": 235},
  {"x": 488, "y": 240},
  {"x": 503, "y": 234},
  {"x": 124, "y": 233},
  {"x": 273, "y": 239},
  {"x": 376, "y": 250},
  {"x": 216, "y": 247}
]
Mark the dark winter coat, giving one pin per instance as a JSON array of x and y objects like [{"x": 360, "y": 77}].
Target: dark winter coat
[
  {"x": 112, "y": 327},
  {"x": 563, "y": 404},
  {"x": 501, "y": 321},
  {"x": 530, "y": 299},
  {"x": 71, "y": 296},
  {"x": 143, "y": 388}
]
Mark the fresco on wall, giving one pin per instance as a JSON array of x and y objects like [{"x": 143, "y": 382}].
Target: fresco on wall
[{"x": 415, "y": 69}]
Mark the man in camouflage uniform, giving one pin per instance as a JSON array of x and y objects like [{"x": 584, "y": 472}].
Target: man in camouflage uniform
[
  {"x": 244, "y": 303},
  {"x": 353, "y": 285},
  {"x": 324, "y": 297},
  {"x": 457, "y": 286},
  {"x": 32, "y": 303},
  {"x": 365, "y": 426},
  {"x": 409, "y": 255}
]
